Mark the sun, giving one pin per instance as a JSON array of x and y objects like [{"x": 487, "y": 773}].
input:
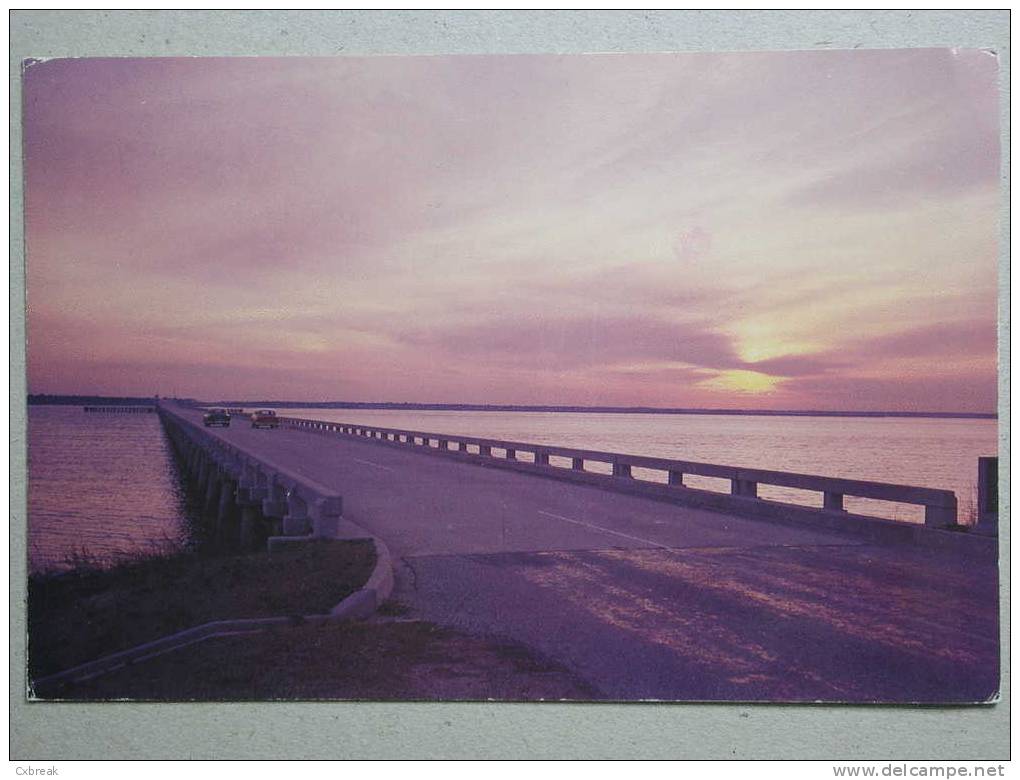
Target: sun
[{"x": 748, "y": 382}]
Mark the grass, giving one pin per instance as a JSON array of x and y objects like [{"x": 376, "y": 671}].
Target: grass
[
  {"x": 101, "y": 607},
  {"x": 403, "y": 660}
]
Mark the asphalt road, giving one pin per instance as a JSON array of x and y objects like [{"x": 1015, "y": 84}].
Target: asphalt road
[{"x": 649, "y": 600}]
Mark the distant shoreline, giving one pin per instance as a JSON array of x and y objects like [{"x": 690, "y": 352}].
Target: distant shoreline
[{"x": 422, "y": 407}]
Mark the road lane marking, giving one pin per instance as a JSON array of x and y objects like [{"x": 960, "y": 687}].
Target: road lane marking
[
  {"x": 370, "y": 463},
  {"x": 604, "y": 530}
]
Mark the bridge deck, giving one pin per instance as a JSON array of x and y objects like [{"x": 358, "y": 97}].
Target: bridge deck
[{"x": 653, "y": 600}]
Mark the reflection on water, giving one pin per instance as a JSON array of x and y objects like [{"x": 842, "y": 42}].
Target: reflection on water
[{"x": 100, "y": 484}]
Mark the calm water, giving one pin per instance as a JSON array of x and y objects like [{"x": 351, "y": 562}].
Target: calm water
[
  {"x": 106, "y": 483},
  {"x": 100, "y": 484}
]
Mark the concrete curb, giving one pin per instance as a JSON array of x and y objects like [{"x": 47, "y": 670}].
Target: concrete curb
[
  {"x": 373, "y": 593},
  {"x": 358, "y": 605}
]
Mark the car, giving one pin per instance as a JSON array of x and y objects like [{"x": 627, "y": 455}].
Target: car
[
  {"x": 216, "y": 417},
  {"x": 264, "y": 418}
]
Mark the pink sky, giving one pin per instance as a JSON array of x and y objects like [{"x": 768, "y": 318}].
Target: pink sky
[{"x": 763, "y": 230}]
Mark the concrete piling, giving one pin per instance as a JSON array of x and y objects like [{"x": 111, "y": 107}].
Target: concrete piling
[
  {"x": 212, "y": 492},
  {"x": 329, "y": 516},
  {"x": 227, "y": 532},
  {"x": 248, "y": 532},
  {"x": 242, "y": 505},
  {"x": 295, "y": 521}
]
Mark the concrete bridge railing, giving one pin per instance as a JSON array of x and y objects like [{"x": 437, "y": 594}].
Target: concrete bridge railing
[
  {"x": 940, "y": 506},
  {"x": 266, "y": 493}
]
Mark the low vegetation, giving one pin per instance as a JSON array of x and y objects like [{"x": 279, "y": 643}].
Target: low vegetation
[
  {"x": 380, "y": 660},
  {"x": 96, "y": 609}
]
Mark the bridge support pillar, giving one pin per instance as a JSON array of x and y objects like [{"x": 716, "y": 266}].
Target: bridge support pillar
[
  {"x": 676, "y": 478},
  {"x": 191, "y": 460},
  {"x": 245, "y": 482},
  {"x": 200, "y": 464},
  {"x": 212, "y": 491},
  {"x": 226, "y": 532},
  {"x": 202, "y": 472},
  {"x": 296, "y": 522},
  {"x": 621, "y": 470},
  {"x": 226, "y": 501},
  {"x": 328, "y": 516},
  {"x": 577, "y": 464},
  {"x": 248, "y": 532},
  {"x": 274, "y": 505}
]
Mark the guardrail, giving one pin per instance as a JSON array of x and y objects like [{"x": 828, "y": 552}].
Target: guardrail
[
  {"x": 303, "y": 506},
  {"x": 940, "y": 506},
  {"x": 114, "y": 409}
]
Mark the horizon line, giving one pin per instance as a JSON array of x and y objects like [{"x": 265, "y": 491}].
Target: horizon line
[{"x": 567, "y": 408}]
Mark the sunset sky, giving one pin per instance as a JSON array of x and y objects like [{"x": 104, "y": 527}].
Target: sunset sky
[{"x": 772, "y": 230}]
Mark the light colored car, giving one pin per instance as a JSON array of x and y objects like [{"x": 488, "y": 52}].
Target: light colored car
[{"x": 264, "y": 418}]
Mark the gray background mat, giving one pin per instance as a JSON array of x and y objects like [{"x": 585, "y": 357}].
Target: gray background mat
[{"x": 482, "y": 730}]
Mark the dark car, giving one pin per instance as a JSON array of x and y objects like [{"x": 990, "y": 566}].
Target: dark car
[
  {"x": 264, "y": 418},
  {"x": 216, "y": 417}
]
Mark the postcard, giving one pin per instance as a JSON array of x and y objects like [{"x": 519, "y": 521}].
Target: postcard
[{"x": 608, "y": 377}]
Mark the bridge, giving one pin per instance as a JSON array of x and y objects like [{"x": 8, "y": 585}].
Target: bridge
[{"x": 646, "y": 587}]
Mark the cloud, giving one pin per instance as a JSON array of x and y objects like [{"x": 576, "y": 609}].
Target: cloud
[
  {"x": 944, "y": 341},
  {"x": 948, "y": 165},
  {"x": 638, "y": 284},
  {"x": 970, "y": 338},
  {"x": 556, "y": 342},
  {"x": 932, "y": 392},
  {"x": 798, "y": 365},
  {"x": 542, "y": 224},
  {"x": 940, "y": 139}
]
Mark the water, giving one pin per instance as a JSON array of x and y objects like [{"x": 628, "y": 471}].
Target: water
[
  {"x": 99, "y": 484},
  {"x": 107, "y": 484},
  {"x": 937, "y": 453}
]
